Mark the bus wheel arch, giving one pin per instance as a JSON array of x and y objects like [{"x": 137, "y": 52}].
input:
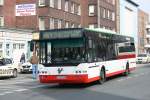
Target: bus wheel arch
[{"x": 102, "y": 75}]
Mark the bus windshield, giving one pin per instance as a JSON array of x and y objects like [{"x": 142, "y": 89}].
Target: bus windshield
[
  {"x": 68, "y": 55},
  {"x": 57, "y": 52}
]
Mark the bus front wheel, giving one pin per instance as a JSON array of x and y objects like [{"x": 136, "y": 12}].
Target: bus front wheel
[{"x": 102, "y": 76}]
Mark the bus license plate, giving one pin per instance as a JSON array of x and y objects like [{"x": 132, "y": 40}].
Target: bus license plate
[{"x": 61, "y": 77}]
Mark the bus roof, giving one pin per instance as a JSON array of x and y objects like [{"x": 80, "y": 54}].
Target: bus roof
[
  {"x": 101, "y": 30},
  {"x": 74, "y": 33}
]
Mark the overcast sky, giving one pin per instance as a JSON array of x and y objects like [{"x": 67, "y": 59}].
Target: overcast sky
[{"x": 144, "y": 5}]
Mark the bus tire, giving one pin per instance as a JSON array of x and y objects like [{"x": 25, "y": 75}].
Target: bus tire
[
  {"x": 127, "y": 71},
  {"x": 102, "y": 76},
  {"x": 15, "y": 73}
]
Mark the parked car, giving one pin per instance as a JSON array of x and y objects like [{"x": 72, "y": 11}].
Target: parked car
[
  {"x": 143, "y": 58},
  {"x": 8, "y": 68},
  {"x": 26, "y": 67}
]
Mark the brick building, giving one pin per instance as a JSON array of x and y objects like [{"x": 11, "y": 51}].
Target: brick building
[
  {"x": 7, "y": 16},
  {"x": 143, "y": 19},
  {"x": 50, "y": 14},
  {"x": 45, "y": 14},
  {"x": 99, "y": 14}
]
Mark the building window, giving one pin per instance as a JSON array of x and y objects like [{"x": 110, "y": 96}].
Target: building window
[
  {"x": 108, "y": 14},
  {"x": 113, "y": 16},
  {"x": 91, "y": 10},
  {"x": 1, "y": 2},
  {"x": 59, "y": 4},
  {"x": 7, "y": 46},
  {"x": 79, "y": 25},
  {"x": 51, "y": 3},
  {"x": 41, "y": 2},
  {"x": 78, "y": 10},
  {"x": 72, "y": 25},
  {"x": 14, "y": 46},
  {"x": 1, "y": 51},
  {"x": 59, "y": 23},
  {"x": 41, "y": 24},
  {"x": 7, "y": 53},
  {"x": 51, "y": 23},
  {"x": 104, "y": 13},
  {"x": 22, "y": 46},
  {"x": 55, "y": 23},
  {"x": 91, "y": 26},
  {"x": 66, "y": 5},
  {"x": 66, "y": 24},
  {"x": 1, "y": 45},
  {"x": 72, "y": 7},
  {"x": 113, "y": 2},
  {"x": 1, "y": 21}
]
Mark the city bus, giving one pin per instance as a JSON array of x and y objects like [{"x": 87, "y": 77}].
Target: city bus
[{"x": 83, "y": 55}]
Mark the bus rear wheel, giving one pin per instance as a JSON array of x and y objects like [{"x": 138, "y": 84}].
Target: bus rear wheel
[{"x": 102, "y": 76}]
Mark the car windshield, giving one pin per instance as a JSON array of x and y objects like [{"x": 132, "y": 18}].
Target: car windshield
[{"x": 142, "y": 55}]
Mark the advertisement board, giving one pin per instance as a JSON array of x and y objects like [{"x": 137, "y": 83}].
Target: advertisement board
[{"x": 25, "y": 9}]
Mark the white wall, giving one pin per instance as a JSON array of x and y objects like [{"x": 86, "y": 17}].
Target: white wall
[
  {"x": 14, "y": 37},
  {"x": 129, "y": 20}
]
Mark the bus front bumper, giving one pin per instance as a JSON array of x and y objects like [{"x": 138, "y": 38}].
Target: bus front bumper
[{"x": 64, "y": 78}]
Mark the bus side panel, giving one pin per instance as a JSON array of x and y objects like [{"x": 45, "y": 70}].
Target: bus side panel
[
  {"x": 94, "y": 71},
  {"x": 132, "y": 64},
  {"x": 118, "y": 66},
  {"x": 114, "y": 67}
]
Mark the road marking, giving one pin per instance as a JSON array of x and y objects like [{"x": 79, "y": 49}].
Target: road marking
[
  {"x": 18, "y": 82},
  {"x": 8, "y": 92},
  {"x": 21, "y": 90},
  {"x": 1, "y": 94},
  {"x": 134, "y": 76}
]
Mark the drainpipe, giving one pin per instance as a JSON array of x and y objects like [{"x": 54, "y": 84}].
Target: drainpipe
[{"x": 98, "y": 13}]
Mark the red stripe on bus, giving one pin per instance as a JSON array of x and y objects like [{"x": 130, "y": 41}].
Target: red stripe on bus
[
  {"x": 126, "y": 56},
  {"x": 69, "y": 79},
  {"x": 82, "y": 78},
  {"x": 118, "y": 72}
]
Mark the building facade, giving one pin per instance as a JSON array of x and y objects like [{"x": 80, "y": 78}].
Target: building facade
[
  {"x": 128, "y": 19},
  {"x": 49, "y": 14},
  {"x": 147, "y": 44},
  {"x": 116, "y": 15},
  {"x": 52, "y": 14},
  {"x": 99, "y": 14},
  {"x": 14, "y": 42},
  {"x": 7, "y": 13},
  {"x": 32, "y": 16},
  {"x": 143, "y": 19}
]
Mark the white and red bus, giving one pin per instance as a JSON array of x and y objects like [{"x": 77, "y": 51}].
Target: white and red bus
[{"x": 82, "y": 55}]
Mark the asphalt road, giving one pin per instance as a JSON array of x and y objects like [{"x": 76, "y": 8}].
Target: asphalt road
[{"x": 136, "y": 86}]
